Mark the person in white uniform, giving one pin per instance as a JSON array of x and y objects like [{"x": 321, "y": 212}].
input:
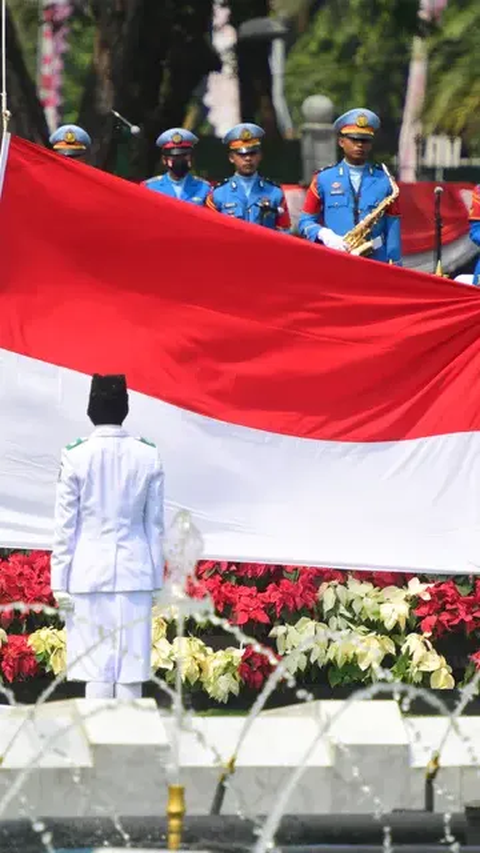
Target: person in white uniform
[{"x": 107, "y": 558}]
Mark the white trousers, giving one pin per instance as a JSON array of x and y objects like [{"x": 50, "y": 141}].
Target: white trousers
[
  {"x": 108, "y": 690},
  {"x": 109, "y": 638}
]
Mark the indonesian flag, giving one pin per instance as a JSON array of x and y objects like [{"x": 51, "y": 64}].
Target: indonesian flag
[{"x": 310, "y": 407}]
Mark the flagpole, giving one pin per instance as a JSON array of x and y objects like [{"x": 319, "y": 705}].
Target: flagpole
[{"x": 4, "y": 100}]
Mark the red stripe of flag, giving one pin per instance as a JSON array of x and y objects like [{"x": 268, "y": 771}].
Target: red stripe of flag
[{"x": 227, "y": 319}]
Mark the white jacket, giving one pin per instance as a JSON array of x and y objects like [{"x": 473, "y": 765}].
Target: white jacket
[{"x": 108, "y": 515}]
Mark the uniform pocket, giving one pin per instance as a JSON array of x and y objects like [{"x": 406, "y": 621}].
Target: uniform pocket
[{"x": 332, "y": 202}]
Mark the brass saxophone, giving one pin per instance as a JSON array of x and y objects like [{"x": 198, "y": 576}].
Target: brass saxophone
[{"x": 358, "y": 240}]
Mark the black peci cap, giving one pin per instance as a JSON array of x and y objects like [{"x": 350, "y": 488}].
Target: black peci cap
[{"x": 108, "y": 402}]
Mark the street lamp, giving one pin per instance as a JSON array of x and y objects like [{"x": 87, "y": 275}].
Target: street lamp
[{"x": 273, "y": 31}]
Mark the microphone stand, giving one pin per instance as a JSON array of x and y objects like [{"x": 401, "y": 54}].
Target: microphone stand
[
  {"x": 123, "y": 130},
  {"x": 438, "y": 192}
]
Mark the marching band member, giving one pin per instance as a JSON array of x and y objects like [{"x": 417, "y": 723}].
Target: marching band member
[
  {"x": 474, "y": 217},
  {"x": 246, "y": 195},
  {"x": 177, "y": 146},
  {"x": 71, "y": 141},
  {"x": 341, "y": 196}
]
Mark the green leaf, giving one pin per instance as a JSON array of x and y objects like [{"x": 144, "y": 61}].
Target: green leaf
[{"x": 334, "y": 676}]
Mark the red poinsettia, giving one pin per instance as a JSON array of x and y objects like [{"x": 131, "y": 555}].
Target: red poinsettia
[
  {"x": 249, "y": 605},
  {"x": 293, "y": 596},
  {"x": 17, "y": 659},
  {"x": 24, "y": 578},
  {"x": 476, "y": 659},
  {"x": 254, "y": 668},
  {"x": 448, "y": 609},
  {"x": 384, "y": 579}
]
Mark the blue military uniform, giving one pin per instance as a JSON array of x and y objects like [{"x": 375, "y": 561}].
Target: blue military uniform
[
  {"x": 474, "y": 218},
  {"x": 190, "y": 188},
  {"x": 176, "y": 144},
  {"x": 340, "y": 196},
  {"x": 252, "y": 198},
  {"x": 70, "y": 140}
]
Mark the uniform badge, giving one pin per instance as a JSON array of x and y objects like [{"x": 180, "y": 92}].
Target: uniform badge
[
  {"x": 230, "y": 204},
  {"x": 246, "y": 133},
  {"x": 70, "y": 136},
  {"x": 336, "y": 188},
  {"x": 177, "y": 137},
  {"x": 362, "y": 120}
]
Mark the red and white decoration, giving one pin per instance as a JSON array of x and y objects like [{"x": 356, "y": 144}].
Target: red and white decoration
[
  {"x": 311, "y": 407},
  {"x": 52, "y": 46}
]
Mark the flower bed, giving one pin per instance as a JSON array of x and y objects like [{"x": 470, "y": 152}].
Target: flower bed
[{"x": 332, "y": 628}]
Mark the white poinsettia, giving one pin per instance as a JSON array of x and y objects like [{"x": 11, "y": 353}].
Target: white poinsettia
[
  {"x": 50, "y": 646},
  {"x": 416, "y": 589},
  {"x": 343, "y": 650},
  {"x": 394, "y": 607},
  {"x": 424, "y": 659},
  {"x": 220, "y": 673},
  {"x": 162, "y": 655},
  {"x": 371, "y": 651},
  {"x": 190, "y": 653},
  {"x": 305, "y": 641},
  {"x": 329, "y": 597}
]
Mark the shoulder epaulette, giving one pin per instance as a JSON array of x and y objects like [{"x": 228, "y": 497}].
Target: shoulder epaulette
[
  {"x": 76, "y": 443},
  {"x": 269, "y": 181},
  {"x": 146, "y": 441},
  {"x": 322, "y": 169},
  {"x": 154, "y": 178}
]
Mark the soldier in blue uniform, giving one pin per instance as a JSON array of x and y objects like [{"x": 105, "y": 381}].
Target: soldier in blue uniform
[
  {"x": 177, "y": 148},
  {"x": 71, "y": 141},
  {"x": 474, "y": 217},
  {"x": 340, "y": 196},
  {"x": 247, "y": 195}
]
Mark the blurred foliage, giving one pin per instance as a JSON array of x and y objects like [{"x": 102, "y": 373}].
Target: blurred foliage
[
  {"x": 26, "y": 17},
  {"x": 354, "y": 51},
  {"x": 357, "y": 53},
  {"x": 26, "y": 14},
  {"x": 453, "y": 91}
]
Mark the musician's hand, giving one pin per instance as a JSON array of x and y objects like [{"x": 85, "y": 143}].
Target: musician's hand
[{"x": 331, "y": 240}]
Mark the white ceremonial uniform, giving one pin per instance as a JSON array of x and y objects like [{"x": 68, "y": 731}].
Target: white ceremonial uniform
[{"x": 107, "y": 553}]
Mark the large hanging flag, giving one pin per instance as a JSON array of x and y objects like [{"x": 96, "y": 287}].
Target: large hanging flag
[{"x": 310, "y": 407}]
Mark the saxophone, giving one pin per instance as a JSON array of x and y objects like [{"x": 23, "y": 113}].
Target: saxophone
[{"x": 358, "y": 240}]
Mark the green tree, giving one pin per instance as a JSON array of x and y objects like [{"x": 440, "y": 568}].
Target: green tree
[
  {"x": 356, "y": 52},
  {"x": 28, "y": 119},
  {"x": 453, "y": 88},
  {"x": 143, "y": 58}
]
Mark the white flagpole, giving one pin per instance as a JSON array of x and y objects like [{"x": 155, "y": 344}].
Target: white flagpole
[
  {"x": 3, "y": 157},
  {"x": 5, "y": 112}
]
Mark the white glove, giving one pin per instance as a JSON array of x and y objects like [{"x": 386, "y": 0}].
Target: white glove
[
  {"x": 331, "y": 240},
  {"x": 64, "y": 601}
]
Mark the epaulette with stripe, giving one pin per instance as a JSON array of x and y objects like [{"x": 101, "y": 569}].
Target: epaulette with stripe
[
  {"x": 76, "y": 443},
  {"x": 154, "y": 178},
  {"x": 145, "y": 441},
  {"x": 324, "y": 168},
  {"x": 269, "y": 181}
]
